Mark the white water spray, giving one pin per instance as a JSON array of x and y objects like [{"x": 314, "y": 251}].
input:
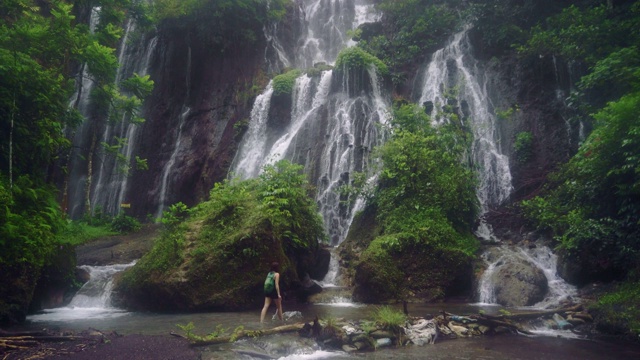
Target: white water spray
[{"x": 92, "y": 301}]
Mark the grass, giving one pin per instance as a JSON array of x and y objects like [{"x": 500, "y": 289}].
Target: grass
[
  {"x": 389, "y": 318},
  {"x": 79, "y": 232}
]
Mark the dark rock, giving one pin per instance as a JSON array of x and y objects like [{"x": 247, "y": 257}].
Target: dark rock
[
  {"x": 321, "y": 264},
  {"x": 369, "y": 30},
  {"x": 16, "y": 291},
  {"x": 519, "y": 283}
]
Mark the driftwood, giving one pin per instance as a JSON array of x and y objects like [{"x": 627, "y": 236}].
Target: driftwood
[
  {"x": 495, "y": 323},
  {"x": 510, "y": 320},
  {"x": 247, "y": 333},
  {"x": 20, "y": 341},
  {"x": 536, "y": 314}
]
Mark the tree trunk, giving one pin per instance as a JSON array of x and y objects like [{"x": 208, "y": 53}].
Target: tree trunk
[{"x": 89, "y": 175}]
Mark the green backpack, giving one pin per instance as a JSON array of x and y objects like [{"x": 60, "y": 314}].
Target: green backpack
[{"x": 270, "y": 282}]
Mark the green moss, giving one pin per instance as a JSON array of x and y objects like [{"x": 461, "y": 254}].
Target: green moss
[
  {"x": 356, "y": 59},
  {"x": 283, "y": 84}
]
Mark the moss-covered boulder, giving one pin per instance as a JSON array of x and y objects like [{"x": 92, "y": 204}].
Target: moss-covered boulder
[
  {"x": 218, "y": 256},
  {"x": 403, "y": 267}
]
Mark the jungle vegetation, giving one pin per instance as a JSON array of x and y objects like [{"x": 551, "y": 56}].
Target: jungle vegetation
[{"x": 43, "y": 45}]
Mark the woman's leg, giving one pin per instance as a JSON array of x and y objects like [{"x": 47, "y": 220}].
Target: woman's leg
[
  {"x": 267, "y": 302},
  {"x": 279, "y": 306}
]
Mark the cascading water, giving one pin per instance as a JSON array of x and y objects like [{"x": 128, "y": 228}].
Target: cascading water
[
  {"x": 347, "y": 121},
  {"x": 454, "y": 73},
  {"x": 452, "y": 69},
  {"x": 166, "y": 172},
  {"x": 92, "y": 301},
  {"x": 80, "y": 101}
]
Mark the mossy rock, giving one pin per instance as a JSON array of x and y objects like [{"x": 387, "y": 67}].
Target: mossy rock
[
  {"x": 416, "y": 271},
  {"x": 218, "y": 258}
]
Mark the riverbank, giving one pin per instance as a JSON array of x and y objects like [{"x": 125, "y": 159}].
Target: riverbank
[{"x": 93, "y": 344}]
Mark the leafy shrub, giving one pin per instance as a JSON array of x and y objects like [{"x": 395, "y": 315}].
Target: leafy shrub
[
  {"x": 125, "y": 224},
  {"x": 30, "y": 218},
  {"x": 283, "y": 84},
  {"x": 356, "y": 59},
  {"x": 176, "y": 214},
  {"x": 423, "y": 173}
]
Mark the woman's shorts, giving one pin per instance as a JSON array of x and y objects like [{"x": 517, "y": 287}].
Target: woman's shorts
[{"x": 273, "y": 295}]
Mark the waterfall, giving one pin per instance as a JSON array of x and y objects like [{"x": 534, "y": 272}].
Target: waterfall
[
  {"x": 540, "y": 256},
  {"x": 92, "y": 301},
  {"x": 164, "y": 183},
  {"x": 177, "y": 145},
  {"x": 114, "y": 171},
  {"x": 454, "y": 69},
  {"x": 111, "y": 173},
  {"x": 347, "y": 123},
  {"x": 454, "y": 74},
  {"x": 80, "y": 101}
]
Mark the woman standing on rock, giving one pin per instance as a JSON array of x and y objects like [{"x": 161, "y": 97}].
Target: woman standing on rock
[{"x": 272, "y": 291}]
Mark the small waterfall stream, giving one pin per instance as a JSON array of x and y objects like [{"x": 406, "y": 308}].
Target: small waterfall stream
[{"x": 92, "y": 301}]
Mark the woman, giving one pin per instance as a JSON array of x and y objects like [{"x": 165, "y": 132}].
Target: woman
[{"x": 272, "y": 291}]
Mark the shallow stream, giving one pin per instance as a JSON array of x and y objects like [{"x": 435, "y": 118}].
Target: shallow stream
[{"x": 556, "y": 345}]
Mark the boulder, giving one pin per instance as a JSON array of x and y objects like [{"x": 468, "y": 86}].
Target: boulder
[{"x": 519, "y": 283}]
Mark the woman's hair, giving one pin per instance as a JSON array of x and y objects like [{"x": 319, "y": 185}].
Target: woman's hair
[{"x": 275, "y": 266}]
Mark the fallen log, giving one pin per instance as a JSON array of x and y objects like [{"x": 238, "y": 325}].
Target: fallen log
[
  {"x": 4, "y": 333},
  {"x": 247, "y": 333},
  {"x": 526, "y": 314},
  {"x": 495, "y": 323}
]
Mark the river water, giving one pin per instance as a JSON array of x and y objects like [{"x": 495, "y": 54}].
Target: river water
[{"x": 556, "y": 345}]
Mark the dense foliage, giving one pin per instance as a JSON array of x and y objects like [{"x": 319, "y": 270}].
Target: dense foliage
[
  {"x": 42, "y": 48},
  {"x": 593, "y": 202},
  {"x": 426, "y": 205},
  {"x": 356, "y": 59},
  {"x": 423, "y": 184}
]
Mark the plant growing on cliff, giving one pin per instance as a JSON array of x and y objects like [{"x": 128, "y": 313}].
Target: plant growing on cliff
[
  {"x": 356, "y": 59},
  {"x": 243, "y": 227},
  {"x": 283, "y": 84},
  {"x": 523, "y": 146},
  {"x": 412, "y": 30},
  {"x": 423, "y": 173}
]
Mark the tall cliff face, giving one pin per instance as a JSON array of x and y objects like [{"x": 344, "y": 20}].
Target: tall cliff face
[
  {"x": 189, "y": 136},
  {"x": 529, "y": 95}
]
